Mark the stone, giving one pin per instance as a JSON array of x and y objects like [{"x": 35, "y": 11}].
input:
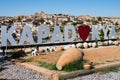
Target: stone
[
  {"x": 94, "y": 45},
  {"x": 79, "y": 45},
  {"x": 27, "y": 50},
  {"x": 116, "y": 43},
  {"x": 40, "y": 50},
  {"x": 106, "y": 43},
  {"x": 85, "y": 45},
  {"x": 59, "y": 48}
]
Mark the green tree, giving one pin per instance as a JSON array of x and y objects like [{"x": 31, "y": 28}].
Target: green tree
[
  {"x": 94, "y": 22},
  {"x": 19, "y": 19},
  {"x": 88, "y": 20},
  {"x": 80, "y": 22},
  {"x": 64, "y": 23},
  {"x": 99, "y": 18},
  {"x": 74, "y": 23},
  {"x": 41, "y": 20},
  {"x": 101, "y": 34},
  {"x": 60, "y": 14},
  {"x": 116, "y": 24},
  {"x": 36, "y": 23}
]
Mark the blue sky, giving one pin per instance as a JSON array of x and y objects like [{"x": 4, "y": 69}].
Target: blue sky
[{"x": 73, "y": 7}]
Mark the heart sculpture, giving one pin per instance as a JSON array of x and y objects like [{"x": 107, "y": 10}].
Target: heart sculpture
[{"x": 84, "y": 31}]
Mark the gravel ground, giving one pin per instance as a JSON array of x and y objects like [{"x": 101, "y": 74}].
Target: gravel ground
[
  {"x": 13, "y": 72},
  {"x": 95, "y": 76}
]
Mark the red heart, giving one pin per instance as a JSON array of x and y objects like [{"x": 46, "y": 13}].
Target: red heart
[{"x": 84, "y": 31}]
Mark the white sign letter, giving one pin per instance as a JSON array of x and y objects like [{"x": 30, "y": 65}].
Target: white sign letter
[
  {"x": 43, "y": 32},
  {"x": 26, "y": 36},
  {"x": 95, "y": 35},
  {"x": 7, "y": 36},
  {"x": 57, "y": 35},
  {"x": 66, "y": 34},
  {"x": 105, "y": 30},
  {"x": 113, "y": 34}
]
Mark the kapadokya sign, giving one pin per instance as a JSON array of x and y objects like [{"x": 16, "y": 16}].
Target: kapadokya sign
[{"x": 57, "y": 35}]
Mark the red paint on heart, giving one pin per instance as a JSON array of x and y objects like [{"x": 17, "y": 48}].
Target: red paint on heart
[{"x": 83, "y": 31}]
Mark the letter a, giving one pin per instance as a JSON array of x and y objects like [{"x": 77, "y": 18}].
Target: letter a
[
  {"x": 113, "y": 34},
  {"x": 26, "y": 35}
]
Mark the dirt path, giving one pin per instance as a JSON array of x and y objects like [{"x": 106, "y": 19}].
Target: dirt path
[
  {"x": 103, "y": 54},
  {"x": 98, "y": 55}
]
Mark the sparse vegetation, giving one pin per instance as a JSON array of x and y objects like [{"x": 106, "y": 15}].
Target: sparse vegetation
[
  {"x": 109, "y": 61},
  {"x": 50, "y": 66},
  {"x": 78, "y": 65},
  {"x": 29, "y": 59},
  {"x": 61, "y": 79}
]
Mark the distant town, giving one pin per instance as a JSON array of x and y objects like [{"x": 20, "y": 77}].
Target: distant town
[{"x": 51, "y": 20}]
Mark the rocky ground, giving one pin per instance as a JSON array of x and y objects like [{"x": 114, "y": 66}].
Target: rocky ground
[
  {"x": 96, "y": 76},
  {"x": 13, "y": 72}
]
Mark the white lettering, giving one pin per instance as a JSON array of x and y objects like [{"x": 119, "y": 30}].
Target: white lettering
[
  {"x": 105, "y": 30},
  {"x": 7, "y": 36},
  {"x": 113, "y": 34},
  {"x": 57, "y": 35},
  {"x": 95, "y": 30},
  {"x": 26, "y": 36},
  {"x": 43, "y": 32},
  {"x": 66, "y": 34}
]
